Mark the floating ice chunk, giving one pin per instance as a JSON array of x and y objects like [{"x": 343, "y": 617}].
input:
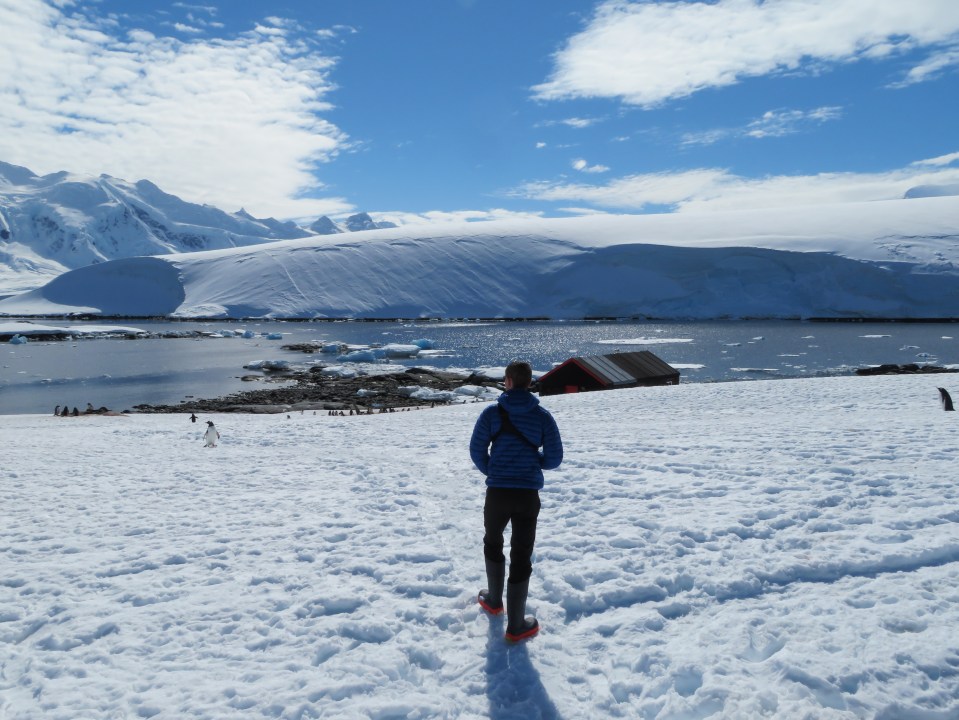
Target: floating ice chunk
[
  {"x": 490, "y": 373},
  {"x": 340, "y": 371},
  {"x": 275, "y": 336},
  {"x": 471, "y": 390},
  {"x": 424, "y": 344},
  {"x": 644, "y": 341},
  {"x": 18, "y": 340},
  {"x": 268, "y": 365},
  {"x": 358, "y": 356},
  {"x": 333, "y": 348},
  {"x": 429, "y": 394},
  {"x": 396, "y": 350},
  {"x": 249, "y": 334}
]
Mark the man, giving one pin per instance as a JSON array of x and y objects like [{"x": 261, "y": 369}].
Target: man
[{"x": 517, "y": 427}]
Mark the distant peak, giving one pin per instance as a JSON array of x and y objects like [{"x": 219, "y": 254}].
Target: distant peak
[
  {"x": 362, "y": 221},
  {"x": 325, "y": 226},
  {"x": 16, "y": 174}
]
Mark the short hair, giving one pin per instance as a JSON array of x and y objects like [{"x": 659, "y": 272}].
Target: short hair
[{"x": 520, "y": 372}]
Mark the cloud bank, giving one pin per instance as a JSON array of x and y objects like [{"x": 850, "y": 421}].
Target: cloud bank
[
  {"x": 719, "y": 189},
  {"x": 223, "y": 121},
  {"x": 646, "y": 53}
]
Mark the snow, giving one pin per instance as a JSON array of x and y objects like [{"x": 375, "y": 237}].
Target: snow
[
  {"x": 888, "y": 259},
  {"x": 36, "y": 330},
  {"x": 777, "y": 548}
]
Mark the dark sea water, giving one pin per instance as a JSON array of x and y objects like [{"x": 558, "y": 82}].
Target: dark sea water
[{"x": 121, "y": 373}]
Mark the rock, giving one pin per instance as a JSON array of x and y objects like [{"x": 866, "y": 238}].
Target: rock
[
  {"x": 906, "y": 369},
  {"x": 313, "y": 391}
]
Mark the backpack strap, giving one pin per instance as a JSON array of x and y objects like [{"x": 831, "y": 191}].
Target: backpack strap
[{"x": 507, "y": 424}]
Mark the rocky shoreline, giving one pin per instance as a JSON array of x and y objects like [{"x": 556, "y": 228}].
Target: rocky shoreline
[{"x": 361, "y": 394}]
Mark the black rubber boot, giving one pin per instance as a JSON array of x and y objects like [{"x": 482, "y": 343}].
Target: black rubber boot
[
  {"x": 491, "y": 599},
  {"x": 518, "y": 626}
]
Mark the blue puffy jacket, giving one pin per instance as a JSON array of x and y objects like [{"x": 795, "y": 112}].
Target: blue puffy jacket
[{"x": 513, "y": 463}]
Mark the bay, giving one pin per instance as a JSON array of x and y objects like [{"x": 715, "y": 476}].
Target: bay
[{"x": 122, "y": 373}]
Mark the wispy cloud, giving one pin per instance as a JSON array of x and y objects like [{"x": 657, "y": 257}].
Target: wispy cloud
[
  {"x": 583, "y": 166},
  {"x": 226, "y": 121},
  {"x": 438, "y": 217},
  {"x": 646, "y": 53},
  {"x": 934, "y": 66},
  {"x": 774, "y": 123},
  {"x": 949, "y": 159},
  {"x": 573, "y": 122},
  {"x": 718, "y": 189}
]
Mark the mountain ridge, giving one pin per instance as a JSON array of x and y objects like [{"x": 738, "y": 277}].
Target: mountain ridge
[{"x": 62, "y": 221}]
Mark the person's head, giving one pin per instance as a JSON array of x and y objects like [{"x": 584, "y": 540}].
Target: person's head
[{"x": 519, "y": 374}]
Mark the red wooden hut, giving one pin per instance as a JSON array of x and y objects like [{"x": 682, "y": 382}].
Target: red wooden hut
[{"x": 608, "y": 372}]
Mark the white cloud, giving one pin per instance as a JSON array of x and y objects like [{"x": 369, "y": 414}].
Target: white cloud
[
  {"x": 941, "y": 160},
  {"x": 583, "y": 166},
  {"x": 649, "y": 52},
  {"x": 180, "y": 27},
  {"x": 774, "y": 123},
  {"x": 709, "y": 137},
  {"x": 717, "y": 189},
  {"x": 230, "y": 121},
  {"x": 573, "y": 122},
  {"x": 435, "y": 217},
  {"x": 934, "y": 66},
  {"x": 578, "y": 123}
]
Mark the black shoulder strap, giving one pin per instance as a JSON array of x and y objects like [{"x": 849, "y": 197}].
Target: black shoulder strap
[{"x": 507, "y": 425}]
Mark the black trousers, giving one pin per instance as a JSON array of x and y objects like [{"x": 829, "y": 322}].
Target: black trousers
[{"x": 521, "y": 508}]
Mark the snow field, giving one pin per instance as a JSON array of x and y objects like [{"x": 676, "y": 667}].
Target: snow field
[{"x": 765, "y": 549}]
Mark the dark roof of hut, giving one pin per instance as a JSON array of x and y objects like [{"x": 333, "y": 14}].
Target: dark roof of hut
[{"x": 618, "y": 369}]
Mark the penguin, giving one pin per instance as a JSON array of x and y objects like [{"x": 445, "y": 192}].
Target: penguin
[
  {"x": 192, "y": 417},
  {"x": 946, "y": 400},
  {"x": 211, "y": 435},
  {"x": 56, "y": 410}
]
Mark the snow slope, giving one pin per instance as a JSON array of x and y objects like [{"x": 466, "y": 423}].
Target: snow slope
[
  {"x": 874, "y": 260},
  {"x": 773, "y": 549}
]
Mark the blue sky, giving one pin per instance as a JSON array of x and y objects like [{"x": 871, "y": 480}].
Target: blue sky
[{"x": 418, "y": 110}]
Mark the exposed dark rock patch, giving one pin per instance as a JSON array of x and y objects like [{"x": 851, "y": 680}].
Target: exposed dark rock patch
[
  {"x": 907, "y": 369},
  {"x": 314, "y": 391}
]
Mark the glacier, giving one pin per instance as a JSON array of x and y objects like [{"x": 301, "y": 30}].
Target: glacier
[{"x": 884, "y": 259}]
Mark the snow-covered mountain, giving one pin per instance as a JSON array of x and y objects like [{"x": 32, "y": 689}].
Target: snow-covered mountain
[
  {"x": 354, "y": 223},
  {"x": 63, "y": 221},
  {"x": 889, "y": 259}
]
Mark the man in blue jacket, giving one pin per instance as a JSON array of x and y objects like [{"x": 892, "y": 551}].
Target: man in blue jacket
[{"x": 516, "y": 427}]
